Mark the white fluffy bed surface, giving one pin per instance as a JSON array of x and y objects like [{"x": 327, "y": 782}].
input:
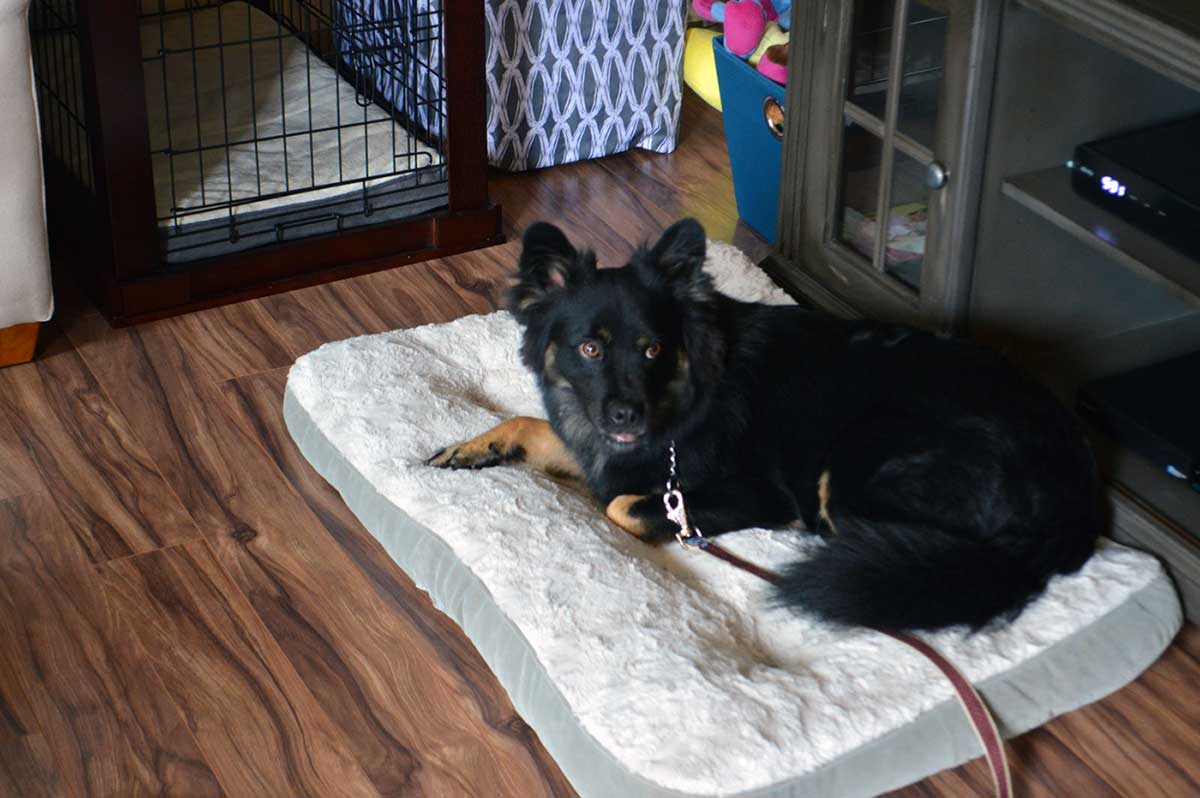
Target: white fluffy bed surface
[
  {"x": 210, "y": 99},
  {"x": 665, "y": 656}
]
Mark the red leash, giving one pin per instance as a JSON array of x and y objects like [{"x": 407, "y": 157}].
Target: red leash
[{"x": 977, "y": 711}]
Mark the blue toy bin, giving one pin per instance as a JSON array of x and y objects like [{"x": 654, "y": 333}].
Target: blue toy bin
[{"x": 754, "y": 150}]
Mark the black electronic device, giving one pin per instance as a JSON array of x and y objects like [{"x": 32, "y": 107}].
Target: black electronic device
[
  {"x": 1149, "y": 177},
  {"x": 1153, "y": 410}
]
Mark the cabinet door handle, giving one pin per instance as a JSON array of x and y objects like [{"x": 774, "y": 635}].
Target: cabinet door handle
[{"x": 936, "y": 175}]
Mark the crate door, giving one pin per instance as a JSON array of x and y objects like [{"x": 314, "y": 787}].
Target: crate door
[{"x": 895, "y": 74}]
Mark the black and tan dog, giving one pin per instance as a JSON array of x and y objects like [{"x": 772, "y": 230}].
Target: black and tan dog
[{"x": 950, "y": 487}]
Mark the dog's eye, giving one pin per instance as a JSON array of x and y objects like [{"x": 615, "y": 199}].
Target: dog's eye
[
  {"x": 590, "y": 349},
  {"x": 654, "y": 350}
]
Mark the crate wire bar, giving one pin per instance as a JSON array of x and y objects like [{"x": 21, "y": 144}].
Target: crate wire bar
[
  {"x": 267, "y": 122},
  {"x": 58, "y": 78}
]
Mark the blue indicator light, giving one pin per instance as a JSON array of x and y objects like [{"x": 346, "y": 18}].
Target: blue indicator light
[{"x": 1112, "y": 186}]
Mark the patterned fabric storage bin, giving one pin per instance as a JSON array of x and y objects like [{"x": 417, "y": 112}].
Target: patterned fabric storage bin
[{"x": 569, "y": 80}]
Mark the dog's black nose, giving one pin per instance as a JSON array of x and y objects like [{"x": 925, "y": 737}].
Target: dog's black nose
[{"x": 623, "y": 414}]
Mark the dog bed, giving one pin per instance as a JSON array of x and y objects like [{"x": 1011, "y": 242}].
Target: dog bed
[{"x": 662, "y": 673}]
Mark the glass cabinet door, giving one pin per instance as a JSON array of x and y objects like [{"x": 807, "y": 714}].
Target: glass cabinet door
[
  {"x": 884, "y": 166},
  {"x": 900, "y": 68},
  {"x": 889, "y": 166}
]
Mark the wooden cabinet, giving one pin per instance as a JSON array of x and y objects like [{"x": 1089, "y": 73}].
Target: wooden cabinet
[{"x": 892, "y": 100}]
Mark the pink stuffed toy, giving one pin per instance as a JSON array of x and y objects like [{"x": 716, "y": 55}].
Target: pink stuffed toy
[
  {"x": 773, "y": 63},
  {"x": 745, "y": 21}
]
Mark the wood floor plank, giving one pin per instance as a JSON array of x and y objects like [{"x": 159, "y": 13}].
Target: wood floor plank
[
  {"x": 1176, "y": 672},
  {"x": 1045, "y": 768},
  {"x": 70, "y": 673},
  {"x": 69, "y": 437},
  {"x": 1140, "y": 741},
  {"x": 18, "y": 475},
  {"x": 222, "y": 342},
  {"x": 1134, "y": 757},
  {"x": 330, "y": 312},
  {"x": 695, "y": 194},
  {"x": 1042, "y": 767},
  {"x": 419, "y": 293},
  {"x": 572, "y": 196},
  {"x": 480, "y": 278},
  {"x": 648, "y": 177},
  {"x": 1188, "y": 642},
  {"x": 695, "y": 180},
  {"x": 682, "y": 183},
  {"x": 251, "y": 715},
  {"x": 232, "y": 340},
  {"x": 613, "y": 203},
  {"x": 440, "y": 290},
  {"x": 27, "y": 768},
  {"x": 356, "y": 654},
  {"x": 259, "y": 398}
]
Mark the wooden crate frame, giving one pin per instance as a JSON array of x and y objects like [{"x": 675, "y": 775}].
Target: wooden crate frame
[{"x": 109, "y": 237}]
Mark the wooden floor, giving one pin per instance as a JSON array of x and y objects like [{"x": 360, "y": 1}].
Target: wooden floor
[{"x": 186, "y": 608}]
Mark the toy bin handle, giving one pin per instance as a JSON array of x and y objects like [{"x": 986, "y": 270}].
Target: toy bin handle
[{"x": 773, "y": 117}]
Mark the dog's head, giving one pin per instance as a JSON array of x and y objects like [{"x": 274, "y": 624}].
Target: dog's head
[{"x": 622, "y": 353}]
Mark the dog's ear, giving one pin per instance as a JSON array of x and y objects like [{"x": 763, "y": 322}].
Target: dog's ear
[
  {"x": 677, "y": 261},
  {"x": 548, "y": 264}
]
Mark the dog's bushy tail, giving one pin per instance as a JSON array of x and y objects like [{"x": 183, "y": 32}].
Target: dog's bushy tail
[{"x": 902, "y": 577}]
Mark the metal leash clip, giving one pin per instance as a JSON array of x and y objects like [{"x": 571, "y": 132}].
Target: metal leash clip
[{"x": 687, "y": 536}]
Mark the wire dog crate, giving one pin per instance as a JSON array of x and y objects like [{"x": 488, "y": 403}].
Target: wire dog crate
[{"x": 208, "y": 149}]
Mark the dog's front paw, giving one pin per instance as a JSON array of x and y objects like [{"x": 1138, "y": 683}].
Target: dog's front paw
[
  {"x": 471, "y": 454},
  {"x": 641, "y": 516}
]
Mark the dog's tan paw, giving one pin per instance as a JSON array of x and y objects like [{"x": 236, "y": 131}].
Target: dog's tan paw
[
  {"x": 620, "y": 512},
  {"x": 476, "y": 453}
]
